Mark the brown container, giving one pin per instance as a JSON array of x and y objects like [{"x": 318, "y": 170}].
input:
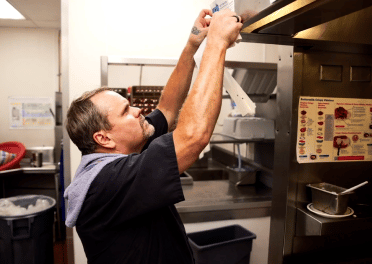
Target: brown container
[{"x": 327, "y": 198}]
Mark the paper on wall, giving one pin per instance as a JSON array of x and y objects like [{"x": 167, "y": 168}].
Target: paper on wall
[
  {"x": 30, "y": 113},
  {"x": 334, "y": 130}
]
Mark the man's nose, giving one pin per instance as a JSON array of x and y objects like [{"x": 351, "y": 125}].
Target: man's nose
[{"x": 137, "y": 111}]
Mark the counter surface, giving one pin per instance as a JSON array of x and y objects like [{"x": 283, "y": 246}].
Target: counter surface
[
  {"x": 221, "y": 200},
  {"x": 46, "y": 168}
]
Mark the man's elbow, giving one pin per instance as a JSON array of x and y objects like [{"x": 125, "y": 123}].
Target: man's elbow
[{"x": 199, "y": 139}]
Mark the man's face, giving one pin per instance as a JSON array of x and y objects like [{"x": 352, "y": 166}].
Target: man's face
[{"x": 130, "y": 130}]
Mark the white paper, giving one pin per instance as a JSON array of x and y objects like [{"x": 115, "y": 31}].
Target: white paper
[{"x": 218, "y": 5}]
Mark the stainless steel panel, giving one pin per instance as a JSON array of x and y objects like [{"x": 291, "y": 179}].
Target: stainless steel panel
[
  {"x": 301, "y": 77},
  {"x": 304, "y": 14},
  {"x": 313, "y": 44},
  {"x": 249, "y": 8},
  {"x": 104, "y": 71},
  {"x": 341, "y": 174},
  {"x": 307, "y": 83},
  {"x": 282, "y": 218},
  {"x": 360, "y": 74},
  {"x": 271, "y": 67},
  {"x": 332, "y": 249},
  {"x": 352, "y": 28},
  {"x": 226, "y": 214},
  {"x": 331, "y": 73},
  {"x": 65, "y": 104},
  {"x": 257, "y": 83},
  {"x": 310, "y": 224},
  {"x": 186, "y": 179}
]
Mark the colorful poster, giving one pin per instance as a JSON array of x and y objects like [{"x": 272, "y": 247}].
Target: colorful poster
[
  {"x": 334, "y": 130},
  {"x": 31, "y": 113}
]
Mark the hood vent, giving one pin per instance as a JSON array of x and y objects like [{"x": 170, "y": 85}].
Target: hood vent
[
  {"x": 258, "y": 84},
  {"x": 257, "y": 79}
]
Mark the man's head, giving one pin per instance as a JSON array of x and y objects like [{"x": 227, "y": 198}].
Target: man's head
[{"x": 102, "y": 121}]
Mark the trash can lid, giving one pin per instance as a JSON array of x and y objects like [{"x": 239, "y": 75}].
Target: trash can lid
[{"x": 25, "y": 205}]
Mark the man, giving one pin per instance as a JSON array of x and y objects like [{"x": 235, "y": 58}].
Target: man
[{"x": 122, "y": 197}]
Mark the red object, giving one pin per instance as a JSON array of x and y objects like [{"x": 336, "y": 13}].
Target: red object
[
  {"x": 341, "y": 113},
  {"x": 343, "y": 144},
  {"x": 16, "y": 148},
  {"x": 351, "y": 158}
]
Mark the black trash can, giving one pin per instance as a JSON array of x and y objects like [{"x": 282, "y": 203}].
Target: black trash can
[
  {"x": 27, "y": 238},
  {"x": 225, "y": 245}
]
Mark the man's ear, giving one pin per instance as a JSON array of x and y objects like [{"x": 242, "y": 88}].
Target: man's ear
[{"x": 104, "y": 139}]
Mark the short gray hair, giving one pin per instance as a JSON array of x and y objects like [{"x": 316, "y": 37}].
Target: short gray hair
[{"x": 84, "y": 119}]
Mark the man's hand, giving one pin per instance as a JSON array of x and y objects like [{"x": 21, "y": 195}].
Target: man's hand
[
  {"x": 200, "y": 29},
  {"x": 224, "y": 28}
]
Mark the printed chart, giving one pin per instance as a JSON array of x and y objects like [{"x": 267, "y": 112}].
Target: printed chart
[{"x": 334, "y": 130}]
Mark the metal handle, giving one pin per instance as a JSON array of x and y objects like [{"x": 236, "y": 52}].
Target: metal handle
[{"x": 355, "y": 187}]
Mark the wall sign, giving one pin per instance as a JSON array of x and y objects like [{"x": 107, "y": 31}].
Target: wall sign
[
  {"x": 30, "y": 113},
  {"x": 334, "y": 130}
]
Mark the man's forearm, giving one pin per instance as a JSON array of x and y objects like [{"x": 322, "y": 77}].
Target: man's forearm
[
  {"x": 178, "y": 85},
  {"x": 201, "y": 109},
  {"x": 203, "y": 105}
]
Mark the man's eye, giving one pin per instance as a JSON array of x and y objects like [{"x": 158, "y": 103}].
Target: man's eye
[{"x": 125, "y": 111}]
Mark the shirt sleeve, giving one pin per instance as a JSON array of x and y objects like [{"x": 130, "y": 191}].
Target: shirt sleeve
[{"x": 135, "y": 185}]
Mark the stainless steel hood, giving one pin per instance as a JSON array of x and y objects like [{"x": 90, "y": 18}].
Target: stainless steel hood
[
  {"x": 296, "y": 16},
  {"x": 292, "y": 21}
]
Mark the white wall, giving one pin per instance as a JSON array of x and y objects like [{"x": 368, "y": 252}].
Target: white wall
[
  {"x": 156, "y": 29},
  {"x": 28, "y": 67}
]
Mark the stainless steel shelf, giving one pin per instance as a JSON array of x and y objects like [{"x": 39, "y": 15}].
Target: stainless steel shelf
[
  {"x": 310, "y": 224},
  {"x": 224, "y": 139}
]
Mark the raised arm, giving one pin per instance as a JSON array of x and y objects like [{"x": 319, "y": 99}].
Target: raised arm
[
  {"x": 202, "y": 107},
  {"x": 178, "y": 85}
]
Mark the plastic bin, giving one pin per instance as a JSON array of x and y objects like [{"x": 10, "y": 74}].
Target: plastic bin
[
  {"x": 27, "y": 238},
  {"x": 225, "y": 245}
]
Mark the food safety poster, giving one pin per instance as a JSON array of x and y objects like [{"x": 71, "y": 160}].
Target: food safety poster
[{"x": 334, "y": 130}]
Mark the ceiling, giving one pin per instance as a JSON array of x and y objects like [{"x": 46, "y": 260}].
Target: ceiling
[{"x": 38, "y": 14}]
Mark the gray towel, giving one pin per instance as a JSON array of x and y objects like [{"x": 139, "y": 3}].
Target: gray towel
[{"x": 87, "y": 171}]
